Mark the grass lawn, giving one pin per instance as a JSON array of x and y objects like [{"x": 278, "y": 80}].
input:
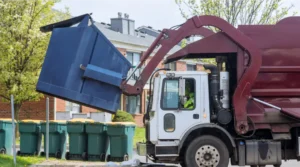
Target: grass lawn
[
  {"x": 139, "y": 136},
  {"x": 7, "y": 161}
]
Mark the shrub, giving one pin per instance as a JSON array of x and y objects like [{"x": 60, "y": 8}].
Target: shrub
[{"x": 122, "y": 116}]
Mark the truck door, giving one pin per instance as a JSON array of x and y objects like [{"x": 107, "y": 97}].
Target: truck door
[{"x": 175, "y": 116}]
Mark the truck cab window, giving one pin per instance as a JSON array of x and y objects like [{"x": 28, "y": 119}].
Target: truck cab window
[
  {"x": 172, "y": 100},
  {"x": 170, "y": 97}
]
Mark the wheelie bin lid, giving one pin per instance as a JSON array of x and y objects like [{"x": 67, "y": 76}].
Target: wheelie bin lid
[
  {"x": 30, "y": 121},
  {"x": 121, "y": 123},
  {"x": 80, "y": 120},
  {"x": 56, "y": 121},
  {"x": 6, "y": 120},
  {"x": 96, "y": 122}
]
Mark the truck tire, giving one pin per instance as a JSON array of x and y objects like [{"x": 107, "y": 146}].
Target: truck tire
[{"x": 207, "y": 151}]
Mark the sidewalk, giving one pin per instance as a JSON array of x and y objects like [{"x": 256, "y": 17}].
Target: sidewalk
[{"x": 64, "y": 163}]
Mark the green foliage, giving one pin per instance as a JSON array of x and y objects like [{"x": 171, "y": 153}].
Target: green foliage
[
  {"x": 183, "y": 43},
  {"x": 122, "y": 116},
  {"x": 7, "y": 161},
  {"x": 237, "y": 11},
  {"x": 139, "y": 136},
  {"x": 23, "y": 46}
]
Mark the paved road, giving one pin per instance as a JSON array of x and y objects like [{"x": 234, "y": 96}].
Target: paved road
[{"x": 284, "y": 164}]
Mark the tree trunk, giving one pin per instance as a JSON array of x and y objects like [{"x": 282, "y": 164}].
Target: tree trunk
[{"x": 17, "y": 108}]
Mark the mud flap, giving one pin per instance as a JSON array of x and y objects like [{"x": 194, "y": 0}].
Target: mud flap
[{"x": 82, "y": 65}]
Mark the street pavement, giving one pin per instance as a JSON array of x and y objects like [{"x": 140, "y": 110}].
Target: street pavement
[{"x": 52, "y": 163}]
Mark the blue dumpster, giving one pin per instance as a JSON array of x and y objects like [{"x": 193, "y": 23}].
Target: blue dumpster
[{"x": 82, "y": 65}]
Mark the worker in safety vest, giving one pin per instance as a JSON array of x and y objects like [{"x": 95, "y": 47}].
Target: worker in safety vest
[{"x": 189, "y": 104}]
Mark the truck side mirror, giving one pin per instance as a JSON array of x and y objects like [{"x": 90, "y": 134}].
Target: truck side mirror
[
  {"x": 181, "y": 87},
  {"x": 182, "y": 91}
]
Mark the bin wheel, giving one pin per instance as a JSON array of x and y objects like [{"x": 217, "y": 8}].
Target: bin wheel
[
  {"x": 67, "y": 156},
  {"x": 102, "y": 157},
  {"x": 107, "y": 158},
  {"x": 18, "y": 152},
  {"x": 35, "y": 153},
  {"x": 2, "y": 151},
  {"x": 84, "y": 156},
  {"x": 42, "y": 153},
  {"x": 126, "y": 158},
  {"x": 58, "y": 155}
]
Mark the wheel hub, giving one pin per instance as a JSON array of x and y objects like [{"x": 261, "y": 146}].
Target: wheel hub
[{"x": 207, "y": 155}]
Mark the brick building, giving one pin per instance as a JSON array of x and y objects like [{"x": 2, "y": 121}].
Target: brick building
[{"x": 131, "y": 42}]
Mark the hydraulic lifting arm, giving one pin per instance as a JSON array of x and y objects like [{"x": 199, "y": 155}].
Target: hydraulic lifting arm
[{"x": 195, "y": 26}]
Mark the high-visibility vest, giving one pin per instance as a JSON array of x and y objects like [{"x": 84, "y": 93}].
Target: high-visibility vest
[{"x": 190, "y": 103}]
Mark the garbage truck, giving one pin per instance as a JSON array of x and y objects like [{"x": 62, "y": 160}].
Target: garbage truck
[{"x": 243, "y": 110}]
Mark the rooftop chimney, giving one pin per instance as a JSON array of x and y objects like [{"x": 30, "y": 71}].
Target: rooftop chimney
[
  {"x": 119, "y": 15},
  {"x": 126, "y": 16},
  {"x": 123, "y": 25}
]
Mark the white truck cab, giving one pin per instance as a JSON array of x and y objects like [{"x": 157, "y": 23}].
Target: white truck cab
[
  {"x": 169, "y": 118},
  {"x": 180, "y": 113}
]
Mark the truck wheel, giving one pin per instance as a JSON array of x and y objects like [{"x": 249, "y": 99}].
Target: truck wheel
[
  {"x": 182, "y": 164},
  {"x": 207, "y": 151}
]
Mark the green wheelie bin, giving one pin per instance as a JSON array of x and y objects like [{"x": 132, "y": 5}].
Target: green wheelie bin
[
  {"x": 30, "y": 137},
  {"x": 57, "y": 138},
  {"x": 121, "y": 140},
  {"x": 77, "y": 139},
  {"x": 6, "y": 136},
  {"x": 98, "y": 147}
]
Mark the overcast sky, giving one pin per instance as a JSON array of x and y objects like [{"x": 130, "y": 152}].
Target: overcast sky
[{"x": 158, "y": 14}]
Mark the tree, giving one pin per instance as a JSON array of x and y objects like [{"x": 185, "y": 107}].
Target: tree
[
  {"x": 23, "y": 47},
  {"x": 237, "y": 11}
]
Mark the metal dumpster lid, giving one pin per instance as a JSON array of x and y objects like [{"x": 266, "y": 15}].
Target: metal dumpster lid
[{"x": 65, "y": 23}]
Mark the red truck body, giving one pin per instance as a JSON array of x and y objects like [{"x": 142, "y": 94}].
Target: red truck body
[{"x": 278, "y": 79}]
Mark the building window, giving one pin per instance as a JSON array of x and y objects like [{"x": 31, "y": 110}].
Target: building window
[
  {"x": 133, "y": 104},
  {"x": 72, "y": 107},
  {"x": 170, "y": 95},
  {"x": 171, "y": 66},
  {"x": 190, "y": 67},
  {"x": 133, "y": 58}
]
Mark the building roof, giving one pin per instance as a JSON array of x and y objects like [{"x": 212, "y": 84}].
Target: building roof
[{"x": 139, "y": 39}]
